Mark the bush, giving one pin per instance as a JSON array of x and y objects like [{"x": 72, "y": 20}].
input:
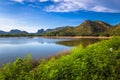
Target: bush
[{"x": 16, "y": 70}]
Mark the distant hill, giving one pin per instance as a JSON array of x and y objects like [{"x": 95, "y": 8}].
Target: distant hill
[
  {"x": 41, "y": 31},
  {"x": 13, "y": 32},
  {"x": 3, "y": 32},
  {"x": 16, "y": 31}
]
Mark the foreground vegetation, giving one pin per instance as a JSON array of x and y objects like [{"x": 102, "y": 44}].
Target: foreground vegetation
[{"x": 100, "y": 61}]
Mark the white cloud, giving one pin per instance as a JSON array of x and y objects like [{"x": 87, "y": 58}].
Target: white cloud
[
  {"x": 34, "y": 6},
  {"x": 75, "y": 5},
  {"x": 56, "y": 0},
  {"x": 43, "y": 0},
  {"x": 20, "y": 1},
  {"x": 66, "y": 6},
  {"x": 102, "y": 9}
]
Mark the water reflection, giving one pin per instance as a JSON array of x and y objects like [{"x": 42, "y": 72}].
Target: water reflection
[
  {"x": 76, "y": 42},
  {"x": 12, "y": 48},
  {"x": 25, "y": 40}
]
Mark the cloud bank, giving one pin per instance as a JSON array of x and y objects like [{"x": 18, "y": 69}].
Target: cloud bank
[{"x": 111, "y": 6}]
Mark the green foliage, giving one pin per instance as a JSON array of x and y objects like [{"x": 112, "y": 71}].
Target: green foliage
[
  {"x": 95, "y": 62},
  {"x": 16, "y": 70},
  {"x": 67, "y": 31}
]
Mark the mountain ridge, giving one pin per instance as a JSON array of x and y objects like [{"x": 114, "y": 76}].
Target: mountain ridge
[{"x": 87, "y": 28}]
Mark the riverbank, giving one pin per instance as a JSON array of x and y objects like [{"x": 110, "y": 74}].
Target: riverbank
[
  {"x": 64, "y": 37},
  {"x": 78, "y": 37}
]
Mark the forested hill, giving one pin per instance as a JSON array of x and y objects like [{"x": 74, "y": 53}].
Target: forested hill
[{"x": 88, "y": 28}]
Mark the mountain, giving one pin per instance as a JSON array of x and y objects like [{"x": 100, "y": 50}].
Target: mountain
[
  {"x": 16, "y": 31},
  {"x": 116, "y": 30},
  {"x": 63, "y": 31},
  {"x": 87, "y": 28},
  {"x": 49, "y": 30},
  {"x": 92, "y": 28},
  {"x": 3, "y": 32},
  {"x": 13, "y": 32},
  {"x": 41, "y": 31}
]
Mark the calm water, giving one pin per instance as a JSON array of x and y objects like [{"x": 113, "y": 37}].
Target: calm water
[{"x": 12, "y": 48}]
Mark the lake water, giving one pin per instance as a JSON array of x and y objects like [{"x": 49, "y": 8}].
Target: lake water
[{"x": 12, "y": 48}]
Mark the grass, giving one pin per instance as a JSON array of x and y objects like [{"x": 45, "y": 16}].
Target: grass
[{"x": 99, "y": 61}]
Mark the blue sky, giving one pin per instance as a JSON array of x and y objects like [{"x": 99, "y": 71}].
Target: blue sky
[{"x": 31, "y": 15}]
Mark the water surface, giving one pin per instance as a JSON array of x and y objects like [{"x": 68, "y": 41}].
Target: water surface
[{"x": 12, "y": 48}]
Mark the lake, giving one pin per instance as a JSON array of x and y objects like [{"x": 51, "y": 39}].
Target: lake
[{"x": 13, "y": 47}]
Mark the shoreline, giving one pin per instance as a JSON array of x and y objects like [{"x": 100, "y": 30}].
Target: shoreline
[
  {"x": 77, "y": 37},
  {"x": 64, "y": 37}
]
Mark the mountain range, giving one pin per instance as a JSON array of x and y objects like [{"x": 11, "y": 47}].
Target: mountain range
[
  {"x": 14, "y": 31},
  {"x": 87, "y": 28}
]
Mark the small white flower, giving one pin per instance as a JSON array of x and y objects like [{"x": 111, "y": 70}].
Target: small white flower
[{"x": 111, "y": 49}]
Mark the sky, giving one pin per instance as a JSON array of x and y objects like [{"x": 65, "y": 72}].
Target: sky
[{"x": 31, "y": 15}]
